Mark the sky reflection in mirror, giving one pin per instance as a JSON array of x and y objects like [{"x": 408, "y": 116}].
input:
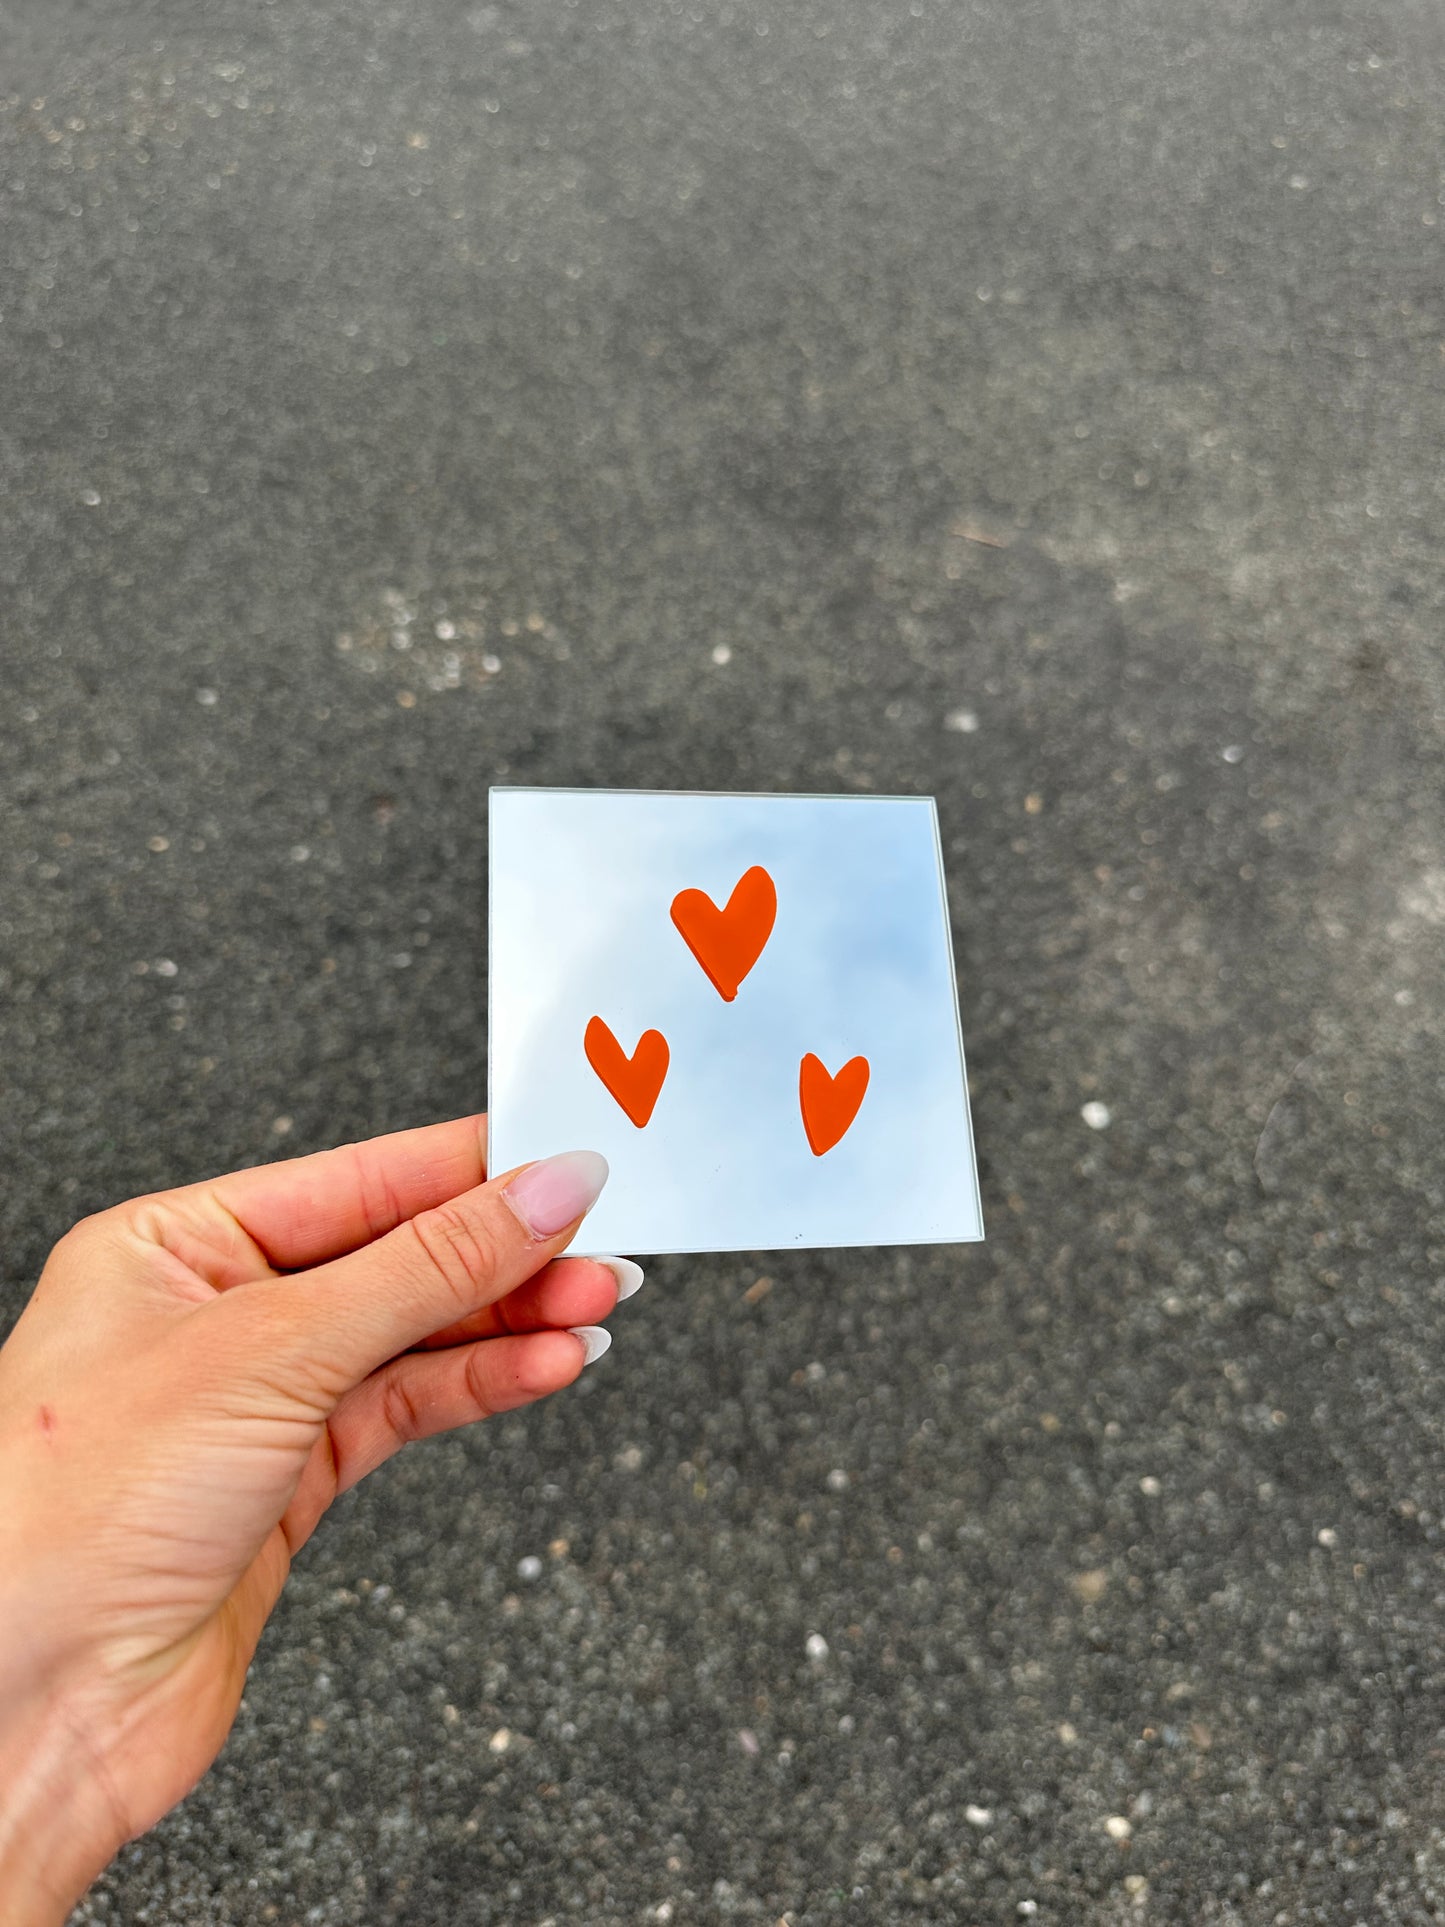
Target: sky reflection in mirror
[{"x": 858, "y": 964}]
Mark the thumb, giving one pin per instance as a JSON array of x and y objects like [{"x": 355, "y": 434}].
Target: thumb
[{"x": 443, "y": 1265}]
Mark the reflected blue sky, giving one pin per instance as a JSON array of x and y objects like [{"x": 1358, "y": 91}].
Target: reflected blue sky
[{"x": 858, "y": 962}]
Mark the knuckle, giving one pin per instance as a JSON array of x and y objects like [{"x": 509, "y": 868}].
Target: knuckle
[
  {"x": 401, "y": 1416},
  {"x": 72, "y": 1261},
  {"x": 381, "y": 1206},
  {"x": 459, "y": 1251},
  {"x": 100, "y": 1227},
  {"x": 477, "y": 1379}
]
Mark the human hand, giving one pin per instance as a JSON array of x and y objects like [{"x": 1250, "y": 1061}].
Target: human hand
[{"x": 197, "y": 1376}]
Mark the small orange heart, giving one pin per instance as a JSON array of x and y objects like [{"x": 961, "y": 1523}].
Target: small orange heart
[
  {"x": 634, "y": 1081},
  {"x": 830, "y": 1104},
  {"x": 727, "y": 943}
]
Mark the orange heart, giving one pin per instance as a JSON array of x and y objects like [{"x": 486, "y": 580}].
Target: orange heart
[
  {"x": 634, "y": 1081},
  {"x": 727, "y": 943},
  {"x": 830, "y": 1104}
]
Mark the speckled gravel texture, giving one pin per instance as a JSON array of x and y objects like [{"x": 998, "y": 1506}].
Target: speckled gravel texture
[{"x": 1040, "y": 406}]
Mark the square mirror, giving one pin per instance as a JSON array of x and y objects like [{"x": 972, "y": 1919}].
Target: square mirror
[{"x": 746, "y": 1003}]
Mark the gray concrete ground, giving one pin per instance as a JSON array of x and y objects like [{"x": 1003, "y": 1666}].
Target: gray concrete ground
[{"x": 1042, "y": 403}]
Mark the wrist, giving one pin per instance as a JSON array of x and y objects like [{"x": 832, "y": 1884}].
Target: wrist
[{"x": 58, "y": 1824}]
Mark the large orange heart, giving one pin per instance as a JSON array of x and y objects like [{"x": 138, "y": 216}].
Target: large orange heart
[
  {"x": 830, "y": 1104},
  {"x": 634, "y": 1081},
  {"x": 727, "y": 943}
]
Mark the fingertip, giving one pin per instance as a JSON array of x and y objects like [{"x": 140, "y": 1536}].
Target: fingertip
[
  {"x": 627, "y": 1274},
  {"x": 549, "y": 1361},
  {"x": 596, "y": 1339}
]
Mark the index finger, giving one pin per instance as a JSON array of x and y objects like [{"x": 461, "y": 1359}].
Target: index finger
[{"x": 304, "y": 1211}]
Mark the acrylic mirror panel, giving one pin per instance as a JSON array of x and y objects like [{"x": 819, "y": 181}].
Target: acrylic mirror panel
[{"x": 746, "y": 1003}]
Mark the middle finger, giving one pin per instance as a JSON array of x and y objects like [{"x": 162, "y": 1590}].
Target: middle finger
[{"x": 567, "y": 1292}]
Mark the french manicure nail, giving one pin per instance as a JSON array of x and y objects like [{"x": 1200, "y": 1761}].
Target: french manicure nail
[
  {"x": 595, "y": 1338},
  {"x": 549, "y": 1196},
  {"x": 627, "y": 1274}
]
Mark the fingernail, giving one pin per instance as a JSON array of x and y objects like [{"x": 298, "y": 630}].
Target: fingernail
[
  {"x": 627, "y": 1274},
  {"x": 549, "y": 1196},
  {"x": 595, "y": 1340}
]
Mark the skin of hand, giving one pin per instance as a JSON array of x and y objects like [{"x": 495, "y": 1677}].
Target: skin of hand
[{"x": 197, "y": 1376}]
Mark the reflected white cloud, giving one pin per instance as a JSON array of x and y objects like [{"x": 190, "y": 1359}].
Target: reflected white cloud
[{"x": 858, "y": 963}]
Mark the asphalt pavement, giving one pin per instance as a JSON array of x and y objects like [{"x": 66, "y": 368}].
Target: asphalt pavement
[{"x": 1037, "y": 404}]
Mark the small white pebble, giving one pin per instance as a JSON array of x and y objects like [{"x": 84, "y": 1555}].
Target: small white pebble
[
  {"x": 748, "y": 1741},
  {"x": 491, "y": 664},
  {"x": 500, "y": 1740},
  {"x": 90, "y": 497},
  {"x": 722, "y": 655},
  {"x": 1117, "y": 1827},
  {"x": 962, "y": 721},
  {"x": 817, "y": 1647},
  {"x": 1327, "y": 1536},
  {"x": 446, "y": 631},
  {"x": 1028, "y": 1908},
  {"x": 207, "y": 698},
  {"x": 978, "y": 1816},
  {"x": 1068, "y": 1733},
  {"x": 838, "y": 1481},
  {"x": 165, "y": 968},
  {"x": 1096, "y": 1115},
  {"x": 1151, "y": 1488},
  {"x": 530, "y": 1567},
  {"x": 281, "y": 1126},
  {"x": 1233, "y": 753},
  {"x": 299, "y": 852}
]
